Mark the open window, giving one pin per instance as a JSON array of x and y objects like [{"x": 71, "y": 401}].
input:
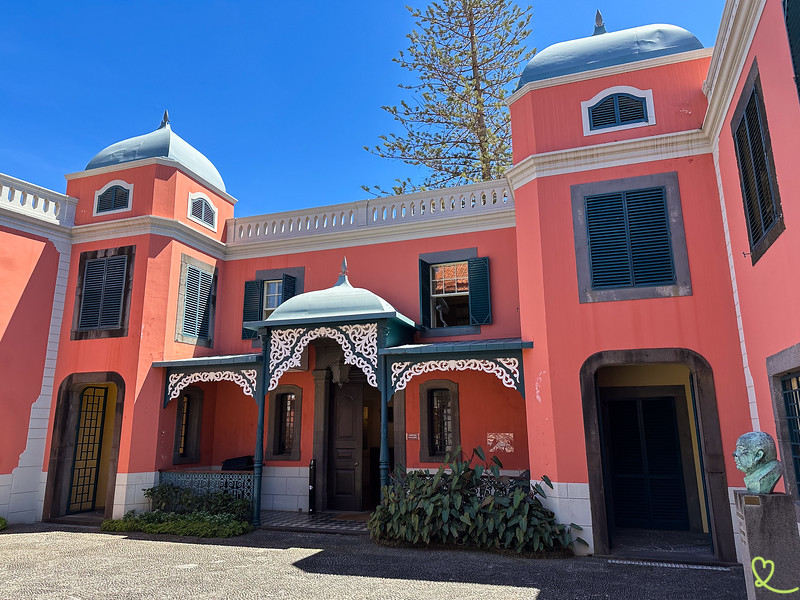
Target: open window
[{"x": 440, "y": 431}]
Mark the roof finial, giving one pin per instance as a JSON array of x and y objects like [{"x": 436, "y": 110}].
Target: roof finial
[
  {"x": 599, "y": 26},
  {"x": 343, "y": 274},
  {"x": 165, "y": 120}
]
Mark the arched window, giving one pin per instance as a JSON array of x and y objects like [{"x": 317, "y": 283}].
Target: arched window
[
  {"x": 617, "y": 109},
  {"x": 115, "y": 196},
  {"x": 202, "y": 211}
]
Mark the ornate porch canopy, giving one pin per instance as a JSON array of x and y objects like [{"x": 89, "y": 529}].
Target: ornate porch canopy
[
  {"x": 499, "y": 357},
  {"x": 241, "y": 369}
]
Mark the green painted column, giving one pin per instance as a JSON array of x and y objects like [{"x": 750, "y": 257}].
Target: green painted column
[
  {"x": 383, "y": 385},
  {"x": 258, "y": 456}
]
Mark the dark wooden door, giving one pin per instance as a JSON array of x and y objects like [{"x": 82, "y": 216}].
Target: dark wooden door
[
  {"x": 643, "y": 465},
  {"x": 345, "y": 479}
]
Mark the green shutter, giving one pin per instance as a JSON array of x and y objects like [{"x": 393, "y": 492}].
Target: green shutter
[
  {"x": 480, "y": 301},
  {"x": 792, "y": 13},
  {"x": 103, "y": 290},
  {"x": 609, "y": 261},
  {"x": 252, "y": 308},
  {"x": 289, "y": 287},
  {"x": 425, "y": 293},
  {"x": 114, "y": 198},
  {"x": 629, "y": 239},
  {"x": 197, "y": 303}
]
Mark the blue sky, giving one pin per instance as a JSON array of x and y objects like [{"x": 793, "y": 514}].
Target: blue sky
[{"x": 281, "y": 97}]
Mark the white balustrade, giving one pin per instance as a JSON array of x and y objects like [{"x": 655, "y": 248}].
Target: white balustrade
[
  {"x": 37, "y": 202},
  {"x": 450, "y": 203}
]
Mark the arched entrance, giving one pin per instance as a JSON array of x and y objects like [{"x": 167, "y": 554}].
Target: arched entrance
[
  {"x": 84, "y": 450},
  {"x": 654, "y": 454}
]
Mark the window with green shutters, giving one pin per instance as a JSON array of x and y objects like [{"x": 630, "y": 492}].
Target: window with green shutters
[
  {"x": 760, "y": 197},
  {"x": 791, "y": 12},
  {"x": 102, "y": 297},
  {"x": 197, "y": 303},
  {"x": 617, "y": 109},
  {"x": 263, "y": 296},
  {"x": 114, "y": 198},
  {"x": 455, "y": 293},
  {"x": 202, "y": 211},
  {"x": 103, "y": 289},
  {"x": 629, "y": 239}
]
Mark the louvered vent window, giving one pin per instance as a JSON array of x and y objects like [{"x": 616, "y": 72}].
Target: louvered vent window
[
  {"x": 617, "y": 109},
  {"x": 629, "y": 239},
  {"x": 791, "y": 11},
  {"x": 103, "y": 290},
  {"x": 114, "y": 198},
  {"x": 761, "y": 208},
  {"x": 203, "y": 211},
  {"x": 197, "y": 303}
]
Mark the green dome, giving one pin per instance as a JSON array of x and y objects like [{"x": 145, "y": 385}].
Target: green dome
[
  {"x": 607, "y": 50},
  {"x": 161, "y": 143}
]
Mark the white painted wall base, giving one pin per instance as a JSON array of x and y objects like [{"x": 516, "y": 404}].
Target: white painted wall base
[
  {"x": 129, "y": 492},
  {"x": 570, "y": 502},
  {"x": 284, "y": 488}
]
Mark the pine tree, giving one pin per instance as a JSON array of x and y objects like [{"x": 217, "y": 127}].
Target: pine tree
[{"x": 465, "y": 54}]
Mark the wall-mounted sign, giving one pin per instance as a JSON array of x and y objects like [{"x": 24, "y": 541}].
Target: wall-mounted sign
[
  {"x": 412, "y": 436},
  {"x": 500, "y": 442}
]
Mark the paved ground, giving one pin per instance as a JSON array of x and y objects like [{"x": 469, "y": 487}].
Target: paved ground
[{"x": 61, "y": 562}]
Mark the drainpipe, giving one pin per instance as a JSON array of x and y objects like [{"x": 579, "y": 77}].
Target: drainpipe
[{"x": 258, "y": 456}]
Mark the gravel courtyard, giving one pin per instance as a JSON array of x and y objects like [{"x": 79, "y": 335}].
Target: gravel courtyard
[{"x": 59, "y": 562}]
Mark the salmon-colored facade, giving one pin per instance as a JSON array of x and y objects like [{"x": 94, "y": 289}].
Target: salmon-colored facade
[{"x": 613, "y": 315}]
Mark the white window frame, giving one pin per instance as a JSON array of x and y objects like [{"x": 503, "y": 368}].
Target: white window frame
[
  {"x": 266, "y": 311},
  {"x": 197, "y": 196},
  {"x": 618, "y": 89},
  {"x": 98, "y": 193},
  {"x": 446, "y": 294}
]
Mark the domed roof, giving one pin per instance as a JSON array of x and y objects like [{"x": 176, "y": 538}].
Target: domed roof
[
  {"x": 608, "y": 49},
  {"x": 340, "y": 302},
  {"x": 161, "y": 143}
]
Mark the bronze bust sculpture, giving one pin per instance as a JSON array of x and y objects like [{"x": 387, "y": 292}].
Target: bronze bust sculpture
[{"x": 756, "y": 456}]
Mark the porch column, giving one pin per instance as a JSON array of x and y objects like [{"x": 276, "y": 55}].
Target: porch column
[
  {"x": 383, "y": 383},
  {"x": 258, "y": 455}
]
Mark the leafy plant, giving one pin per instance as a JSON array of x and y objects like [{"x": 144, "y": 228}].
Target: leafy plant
[
  {"x": 199, "y": 523},
  {"x": 3, "y": 523},
  {"x": 170, "y": 498},
  {"x": 469, "y": 505}
]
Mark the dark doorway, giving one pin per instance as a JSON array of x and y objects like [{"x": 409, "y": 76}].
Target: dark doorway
[
  {"x": 642, "y": 464},
  {"x": 354, "y": 450},
  {"x": 88, "y": 449},
  {"x": 346, "y": 435}
]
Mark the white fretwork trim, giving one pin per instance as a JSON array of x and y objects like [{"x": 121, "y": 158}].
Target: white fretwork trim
[
  {"x": 359, "y": 343},
  {"x": 246, "y": 379},
  {"x": 402, "y": 374}
]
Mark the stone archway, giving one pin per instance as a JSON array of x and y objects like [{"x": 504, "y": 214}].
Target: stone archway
[
  {"x": 62, "y": 446},
  {"x": 710, "y": 440}
]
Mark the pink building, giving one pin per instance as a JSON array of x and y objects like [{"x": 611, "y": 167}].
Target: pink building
[{"x": 612, "y": 315}]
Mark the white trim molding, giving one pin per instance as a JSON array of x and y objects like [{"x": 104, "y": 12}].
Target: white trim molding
[
  {"x": 124, "y": 185},
  {"x": 201, "y": 196},
  {"x": 618, "y": 89},
  {"x": 604, "y": 156},
  {"x": 738, "y": 28}
]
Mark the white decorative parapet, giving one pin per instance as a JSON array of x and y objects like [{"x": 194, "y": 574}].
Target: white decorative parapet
[
  {"x": 37, "y": 202},
  {"x": 465, "y": 201}
]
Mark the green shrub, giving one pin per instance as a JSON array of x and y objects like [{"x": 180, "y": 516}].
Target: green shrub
[
  {"x": 199, "y": 523},
  {"x": 3, "y": 523},
  {"x": 173, "y": 499},
  {"x": 468, "y": 505}
]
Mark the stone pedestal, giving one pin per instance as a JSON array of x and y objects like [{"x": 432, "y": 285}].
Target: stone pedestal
[{"x": 768, "y": 528}]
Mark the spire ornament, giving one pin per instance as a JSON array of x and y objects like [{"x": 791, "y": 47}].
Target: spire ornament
[
  {"x": 164, "y": 120},
  {"x": 599, "y": 26}
]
